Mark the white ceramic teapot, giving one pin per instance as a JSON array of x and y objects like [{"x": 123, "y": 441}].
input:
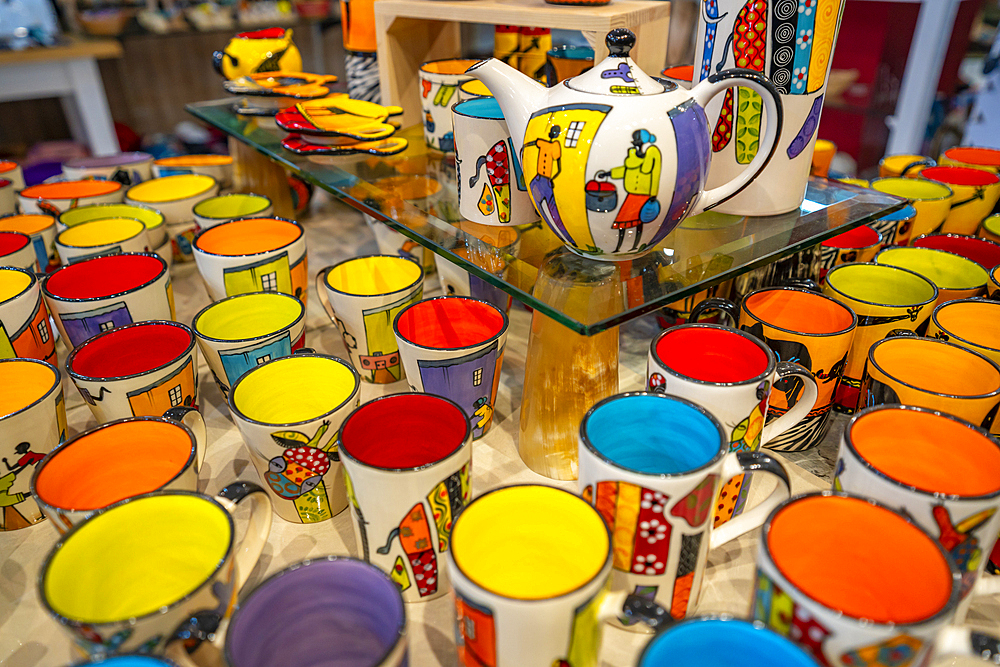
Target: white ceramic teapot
[{"x": 615, "y": 159}]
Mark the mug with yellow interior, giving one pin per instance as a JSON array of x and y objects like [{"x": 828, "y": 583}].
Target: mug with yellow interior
[
  {"x": 148, "y": 569},
  {"x": 903, "y": 165},
  {"x": 156, "y": 229},
  {"x": 930, "y": 200},
  {"x": 253, "y": 255},
  {"x": 289, "y": 412},
  {"x": 24, "y": 320},
  {"x": 990, "y": 229},
  {"x": 32, "y": 423},
  {"x": 119, "y": 460},
  {"x": 219, "y": 167},
  {"x": 246, "y": 330},
  {"x": 363, "y": 296},
  {"x": 108, "y": 236}
]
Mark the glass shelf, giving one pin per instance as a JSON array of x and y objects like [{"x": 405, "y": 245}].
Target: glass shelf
[{"x": 416, "y": 194}]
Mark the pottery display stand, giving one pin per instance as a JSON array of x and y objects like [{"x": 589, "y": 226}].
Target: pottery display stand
[{"x": 412, "y": 32}]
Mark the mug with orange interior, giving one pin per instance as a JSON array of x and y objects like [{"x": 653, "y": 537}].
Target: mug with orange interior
[
  {"x": 41, "y": 229},
  {"x": 253, "y": 255},
  {"x": 119, "y": 460},
  {"x": 54, "y": 198}
]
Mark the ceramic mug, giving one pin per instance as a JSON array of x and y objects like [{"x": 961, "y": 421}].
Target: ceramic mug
[
  {"x": 791, "y": 43},
  {"x": 976, "y": 193},
  {"x": 470, "y": 90},
  {"x": 806, "y": 328},
  {"x": 942, "y": 471},
  {"x": 156, "y": 229},
  {"x": 976, "y": 157},
  {"x": 491, "y": 188},
  {"x": 885, "y": 298},
  {"x": 119, "y": 460},
  {"x": 971, "y": 323},
  {"x": 993, "y": 289},
  {"x": 892, "y": 593},
  {"x": 896, "y": 228},
  {"x": 109, "y": 236},
  {"x": 566, "y": 61},
  {"x": 903, "y": 165},
  {"x": 132, "y": 660},
  {"x": 173, "y": 196},
  {"x": 860, "y": 244},
  {"x": 24, "y": 320},
  {"x": 407, "y": 485},
  {"x": 99, "y": 294},
  {"x": 289, "y": 412},
  {"x": 244, "y": 331},
  {"x": 990, "y": 229},
  {"x": 930, "y": 373},
  {"x": 126, "y": 168},
  {"x": 32, "y": 423},
  {"x": 253, "y": 255},
  {"x": 149, "y": 568},
  {"x": 656, "y": 485},
  {"x": 136, "y": 370},
  {"x": 54, "y": 198},
  {"x": 983, "y": 252},
  {"x": 8, "y": 198},
  {"x": 731, "y": 374},
  {"x": 439, "y": 82},
  {"x": 219, "y": 167},
  {"x": 321, "y": 605},
  {"x": 363, "y": 296},
  {"x": 11, "y": 171},
  {"x": 954, "y": 276},
  {"x": 823, "y": 153},
  {"x": 217, "y": 210},
  {"x": 16, "y": 250},
  {"x": 41, "y": 228},
  {"x": 930, "y": 200},
  {"x": 453, "y": 347}
]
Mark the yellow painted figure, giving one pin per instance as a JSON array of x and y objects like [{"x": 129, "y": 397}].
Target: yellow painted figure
[
  {"x": 268, "y": 50},
  {"x": 640, "y": 176}
]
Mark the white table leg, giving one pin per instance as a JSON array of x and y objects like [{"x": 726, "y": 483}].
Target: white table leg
[{"x": 92, "y": 106}]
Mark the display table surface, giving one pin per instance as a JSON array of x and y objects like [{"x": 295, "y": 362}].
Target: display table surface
[
  {"x": 705, "y": 250},
  {"x": 29, "y": 638}
]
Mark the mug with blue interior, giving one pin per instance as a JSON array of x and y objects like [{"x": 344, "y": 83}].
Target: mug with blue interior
[{"x": 721, "y": 641}]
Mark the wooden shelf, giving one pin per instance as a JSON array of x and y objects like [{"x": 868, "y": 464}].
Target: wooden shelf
[
  {"x": 72, "y": 48},
  {"x": 411, "y": 32}
]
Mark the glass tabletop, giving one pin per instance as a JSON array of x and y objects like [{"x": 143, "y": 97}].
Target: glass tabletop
[{"x": 415, "y": 193}]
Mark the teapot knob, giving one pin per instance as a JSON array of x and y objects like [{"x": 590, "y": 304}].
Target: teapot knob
[{"x": 620, "y": 41}]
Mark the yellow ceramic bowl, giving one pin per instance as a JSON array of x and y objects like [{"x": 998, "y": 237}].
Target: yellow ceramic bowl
[
  {"x": 216, "y": 210},
  {"x": 153, "y": 219},
  {"x": 219, "y": 167},
  {"x": 173, "y": 196},
  {"x": 955, "y": 277},
  {"x": 931, "y": 200},
  {"x": 94, "y": 238},
  {"x": 903, "y": 165}
]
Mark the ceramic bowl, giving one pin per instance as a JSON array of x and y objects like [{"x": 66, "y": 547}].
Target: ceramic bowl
[
  {"x": 217, "y": 210},
  {"x": 54, "y": 198},
  {"x": 219, "y": 167},
  {"x": 173, "y": 196},
  {"x": 126, "y": 168},
  {"x": 153, "y": 219}
]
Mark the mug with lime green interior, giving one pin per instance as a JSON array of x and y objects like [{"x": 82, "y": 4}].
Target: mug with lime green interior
[
  {"x": 859, "y": 182},
  {"x": 246, "y": 330},
  {"x": 930, "y": 199},
  {"x": 289, "y": 412},
  {"x": 954, "y": 276},
  {"x": 253, "y": 255},
  {"x": 32, "y": 423},
  {"x": 156, "y": 228},
  {"x": 976, "y": 193},
  {"x": 932, "y": 373},
  {"x": 990, "y": 229},
  {"x": 363, "y": 296},
  {"x": 119, "y": 460},
  {"x": 146, "y": 569},
  {"x": 107, "y": 236},
  {"x": 24, "y": 320},
  {"x": 884, "y": 298},
  {"x": 903, "y": 165},
  {"x": 217, "y": 210}
]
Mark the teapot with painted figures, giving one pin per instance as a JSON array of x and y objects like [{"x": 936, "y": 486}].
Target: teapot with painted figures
[{"x": 614, "y": 159}]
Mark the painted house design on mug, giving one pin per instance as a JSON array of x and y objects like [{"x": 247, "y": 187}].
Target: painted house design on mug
[
  {"x": 176, "y": 390},
  {"x": 33, "y": 339},
  {"x": 470, "y": 381},
  {"x": 238, "y": 361},
  {"x": 274, "y": 274},
  {"x": 297, "y": 475},
  {"x": 83, "y": 325},
  {"x": 381, "y": 364}
]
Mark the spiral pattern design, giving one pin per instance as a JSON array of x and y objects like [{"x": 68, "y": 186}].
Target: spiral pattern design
[
  {"x": 781, "y": 78},
  {"x": 784, "y": 33},
  {"x": 785, "y": 9}
]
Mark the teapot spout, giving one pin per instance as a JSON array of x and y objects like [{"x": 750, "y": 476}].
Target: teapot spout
[{"x": 519, "y": 95}]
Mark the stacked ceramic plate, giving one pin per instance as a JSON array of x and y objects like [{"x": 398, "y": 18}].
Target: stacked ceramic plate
[
  {"x": 267, "y": 93},
  {"x": 339, "y": 125}
]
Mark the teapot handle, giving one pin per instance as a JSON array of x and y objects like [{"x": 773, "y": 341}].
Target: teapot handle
[{"x": 760, "y": 84}]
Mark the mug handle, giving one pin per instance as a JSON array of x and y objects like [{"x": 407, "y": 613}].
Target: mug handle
[
  {"x": 250, "y": 548},
  {"x": 724, "y": 306},
  {"x": 323, "y": 298},
  {"x": 798, "y": 411},
  {"x": 739, "y": 463},
  {"x": 747, "y": 78},
  {"x": 955, "y": 640},
  {"x": 619, "y": 603},
  {"x": 191, "y": 418},
  {"x": 928, "y": 162}
]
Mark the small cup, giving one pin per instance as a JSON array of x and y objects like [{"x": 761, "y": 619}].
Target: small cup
[
  {"x": 971, "y": 323},
  {"x": 145, "y": 569},
  {"x": 32, "y": 423},
  {"x": 95, "y": 238},
  {"x": 931, "y": 373},
  {"x": 708, "y": 641},
  {"x": 217, "y": 210},
  {"x": 990, "y": 229},
  {"x": 289, "y": 412},
  {"x": 491, "y": 188},
  {"x": 156, "y": 228},
  {"x": 954, "y": 276},
  {"x": 407, "y": 485},
  {"x": 41, "y": 228},
  {"x": 453, "y": 347},
  {"x": 363, "y": 296},
  {"x": 118, "y": 460},
  {"x": 931, "y": 202},
  {"x": 24, "y": 319},
  {"x": 896, "y": 228},
  {"x": 983, "y": 252},
  {"x": 136, "y": 370},
  {"x": 11, "y": 171},
  {"x": 253, "y": 255},
  {"x": 98, "y": 294},
  {"x": 54, "y": 198},
  {"x": 656, "y": 484},
  {"x": 903, "y": 165},
  {"x": 126, "y": 168},
  {"x": 860, "y": 244},
  {"x": 976, "y": 193},
  {"x": 244, "y": 331},
  {"x": 173, "y": 196},
  {"x": 352, "y": 608},
  {"x": 219, "y": 167},
  {"x": 17, "y": 250},
  {"x": 439, "y": 82}
]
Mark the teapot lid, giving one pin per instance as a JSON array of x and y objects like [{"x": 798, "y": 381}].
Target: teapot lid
[{"x": 617, "y": 74}]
